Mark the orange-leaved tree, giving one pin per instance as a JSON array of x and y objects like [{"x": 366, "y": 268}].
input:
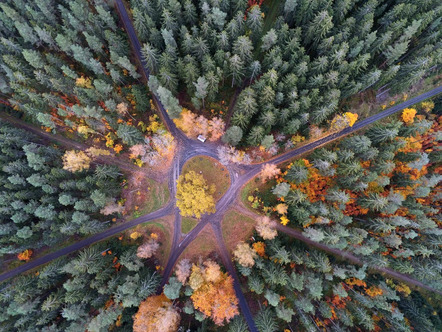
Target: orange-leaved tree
[
  {"x": 156, "y": 314},
  {"x": 194, "y": 125},
  {"x": 25, "y": 255},
  {"x": 213, "y": 292}
]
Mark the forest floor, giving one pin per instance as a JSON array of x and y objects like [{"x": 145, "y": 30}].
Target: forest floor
[
  {"x": 212, "y": 171},
  {"x": 236, "y": 227},
  {"x": 163, "y": 227},
  {"x": 371, "y": 102}
]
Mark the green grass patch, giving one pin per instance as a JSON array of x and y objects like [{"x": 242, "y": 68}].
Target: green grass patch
[
  {"x": 256, "y": 188},
  {"x": 246, "y": 191},
  {"x": 236, "y": 228},
  {"x": 157, "y": 196},
  {"x": 212, "y": 171},
  {"x": 187, "y": 224}
]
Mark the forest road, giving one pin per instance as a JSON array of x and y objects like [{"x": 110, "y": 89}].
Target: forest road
[
  {"x": 191, "y": 148},
  {"x": 86, "y": 242},
  {"x": 225, "y": 257},
  {"x": 136, "y": 45},
  {"x": 72, "y": 144}
]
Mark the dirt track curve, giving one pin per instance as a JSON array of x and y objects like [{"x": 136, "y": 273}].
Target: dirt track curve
[{"x": 239, "y": 175}]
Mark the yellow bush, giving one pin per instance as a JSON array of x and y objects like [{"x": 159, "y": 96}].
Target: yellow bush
[
  {"x": 83, "y": 82},
  {"x": 351, "y": 118},
  {"x": 408, "y": 115}
]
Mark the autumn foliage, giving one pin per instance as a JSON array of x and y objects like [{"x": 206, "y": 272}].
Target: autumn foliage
[
  {"x": 213, "y": 294},
  {"x": 194, "y": 195},
  {"x": 148, "y": 248},
  {"x": 265, "y": 228},
  {"x": 408, "y": 115},
  {"x": 244, "y": 254},
  {"x": 25, "y": 255},
  {"x": 269, "y": 171},
  {"x": 77, "y": 161},
  {"x": 156, "y": 314},
  {"x": 194, "y": 125},
  {"x": 345, "y": 120},
  {"x": 316, "y": 185}
]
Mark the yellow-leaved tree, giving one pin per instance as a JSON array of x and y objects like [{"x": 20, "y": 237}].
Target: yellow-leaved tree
[
  {"x": 343, "y": 121},
  {"x": 194, "y": 196},
  {"x": 75, "y": 161},
  {"x": 351, "y": 118},
  {"x": 408, "y": 115}
]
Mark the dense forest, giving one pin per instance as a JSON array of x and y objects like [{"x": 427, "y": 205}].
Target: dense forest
[
  {"x": 93, "y": 147},
  {"x": 41, "y": 203},
  {"x": 67, "y": 64},
  {"x": 301, "y": 289},
  {"x": 376, "y": 195},
  {"x": 100, "y": 287},
  {"x": 295, "y": 66}
]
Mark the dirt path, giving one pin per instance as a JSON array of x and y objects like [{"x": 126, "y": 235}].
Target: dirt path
[
  {"x": 336, "y": 252},
  {"x": 71, "y": 144},
  {"x": 187, "y": 149}
]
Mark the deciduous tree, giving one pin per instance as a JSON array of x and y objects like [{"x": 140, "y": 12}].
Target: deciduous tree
[
  {"x": 194, "y": 195},
  {"x": 217, "y": 300},
  {"x": 156, "y": 314},
  {"x": 269, "y": 171},
  {"x": 75, "y": 161},
  {"x": 244, "y": 254},
  {"x": 265, "y": 229}
]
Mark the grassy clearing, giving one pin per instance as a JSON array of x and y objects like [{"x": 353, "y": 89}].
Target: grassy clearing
[
  {"x": 212, "y": 171},
  {"x": 252, "y": 187},
  {"x": 157, "y": 195},
  {"x": 203, "y": 245},
  {"x": 187, "y": 224},
  {"x": 236, "y": 227}
]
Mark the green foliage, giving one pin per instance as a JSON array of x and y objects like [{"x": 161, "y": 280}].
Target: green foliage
[
  {"x": 172, "y": 288},
  {"x": 64, "y": 293},
  {"x": 233, "y": 135},
  {"x": 42, "y": 204},
  {"x": 68, "y": 57}
]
